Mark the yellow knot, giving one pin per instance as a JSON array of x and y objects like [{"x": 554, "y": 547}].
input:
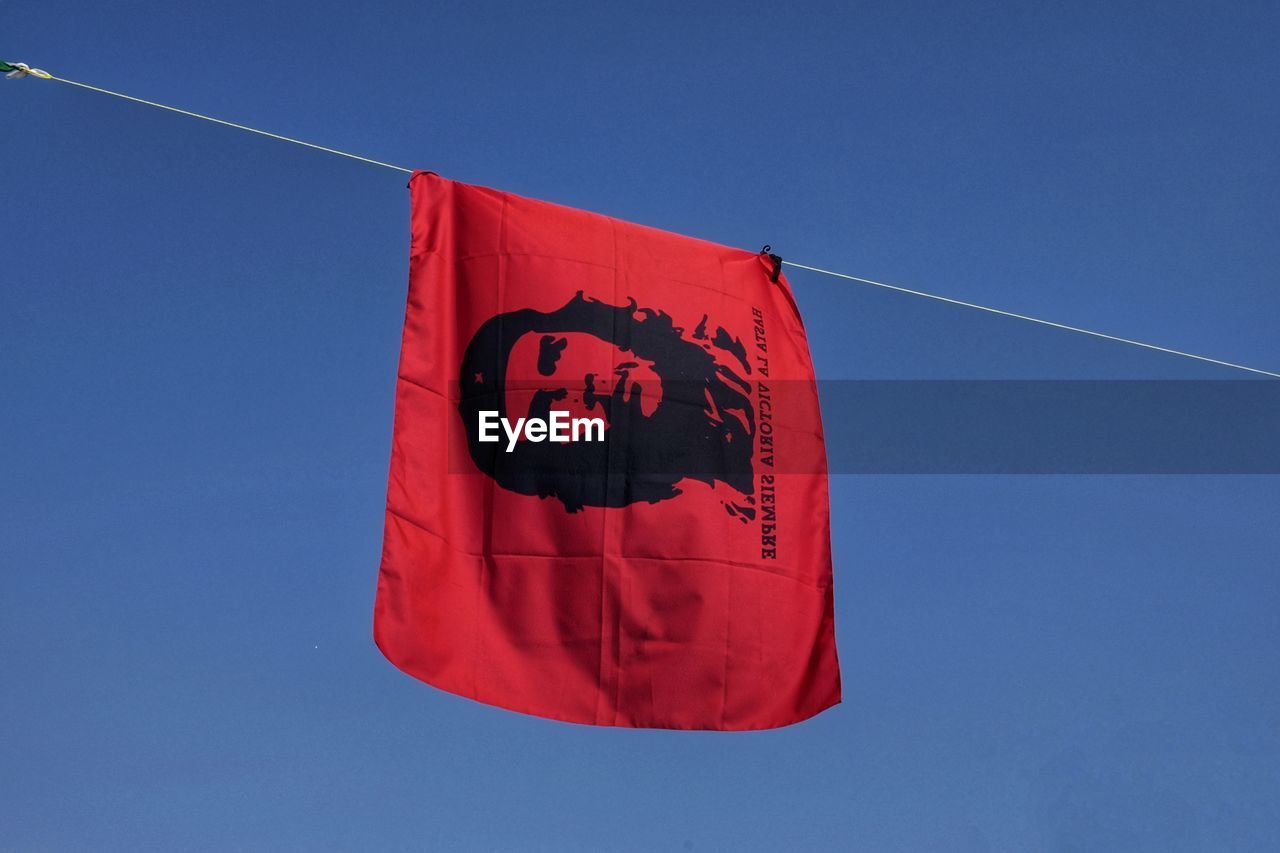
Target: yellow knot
[{"x": 22, "y": 69}]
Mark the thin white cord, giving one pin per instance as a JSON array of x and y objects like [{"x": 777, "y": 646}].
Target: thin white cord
[
  {"x": 1049, "y": 323},
  {"x": 231, "y": 124},
  {"x": 845, "y": 276}
]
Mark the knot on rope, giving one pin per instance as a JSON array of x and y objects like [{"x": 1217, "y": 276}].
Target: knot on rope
[{"x": 16, "y": 70}]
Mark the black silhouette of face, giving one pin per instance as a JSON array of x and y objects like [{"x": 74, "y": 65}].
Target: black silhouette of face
[
  {"x": 588, "y": 370},
  {"x": 672, "y": 410}
]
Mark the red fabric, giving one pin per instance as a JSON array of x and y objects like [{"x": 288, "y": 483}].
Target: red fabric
[{"x": 621, "y": 592}]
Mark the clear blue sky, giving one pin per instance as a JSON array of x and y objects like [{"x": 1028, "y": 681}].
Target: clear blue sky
[{"x": 198, "y": 340}]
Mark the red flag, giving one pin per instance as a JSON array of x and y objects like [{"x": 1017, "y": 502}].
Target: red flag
[{"x": 669, "y": 564}]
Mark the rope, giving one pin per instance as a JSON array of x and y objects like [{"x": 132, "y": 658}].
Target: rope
[
  {"x": 21, "y": 69},
  {"x": 224, "y": 123},
  {"x": 1049, "y": 323}
]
